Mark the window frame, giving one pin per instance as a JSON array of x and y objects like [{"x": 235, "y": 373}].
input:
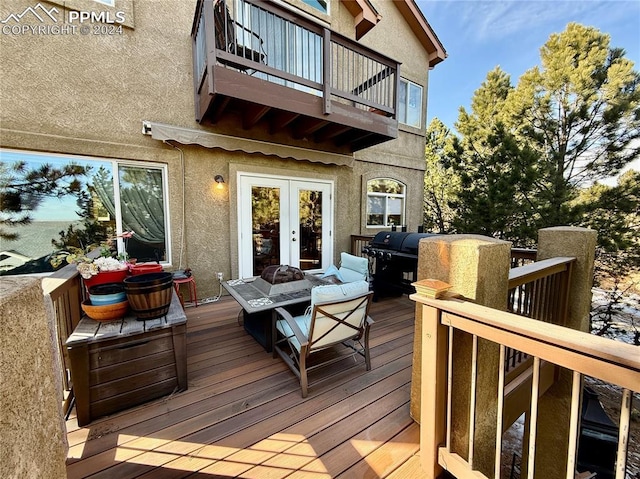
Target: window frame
[
  {"x": 402, "y": 196},
  {"x": 311, "y": 3},
  {"x": 408, "y": 84}
]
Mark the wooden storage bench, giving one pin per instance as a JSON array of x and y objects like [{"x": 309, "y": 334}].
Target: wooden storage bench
[{"x": 119, "y": 364}]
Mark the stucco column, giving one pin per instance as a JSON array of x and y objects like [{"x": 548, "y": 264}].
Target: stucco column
[
  {"x": 477, "y": 267},
  {"x": 555, "y": 405},
  {"x": 33, "y": 440}
]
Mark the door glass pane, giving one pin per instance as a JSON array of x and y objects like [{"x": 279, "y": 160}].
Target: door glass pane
[
  {"x": 310, "y": 229},
  {"x": 265, "y": 224}
]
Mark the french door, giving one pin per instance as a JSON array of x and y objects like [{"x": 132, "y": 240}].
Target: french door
[{"x": 284, "y": 221}]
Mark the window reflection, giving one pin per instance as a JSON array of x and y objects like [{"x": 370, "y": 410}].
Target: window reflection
[{"x": 79, "y": 216}]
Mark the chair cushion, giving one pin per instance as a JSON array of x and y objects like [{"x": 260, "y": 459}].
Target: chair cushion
[
  {"x": 353, "y": 268},
  {"x": 321, "y": 294},
  {"x": 303, "y": 321},
  {"x": 333, "y": 271},
  {"x": 338, "y": 292}
]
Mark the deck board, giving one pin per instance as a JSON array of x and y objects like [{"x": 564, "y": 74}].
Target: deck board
[{"x": 243, "y": 414}]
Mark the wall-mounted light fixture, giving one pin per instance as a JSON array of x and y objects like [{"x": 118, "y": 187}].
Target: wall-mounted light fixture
[{"x": 220, "y": 180}]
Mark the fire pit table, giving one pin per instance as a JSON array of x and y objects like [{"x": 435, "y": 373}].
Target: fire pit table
[{"x": 259, "y": 299}]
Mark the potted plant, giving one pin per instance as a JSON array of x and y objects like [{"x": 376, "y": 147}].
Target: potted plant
[{"x": 96, "y": 270}]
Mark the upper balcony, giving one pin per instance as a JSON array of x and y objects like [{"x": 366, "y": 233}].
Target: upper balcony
[{"x": 273, "y": 70}]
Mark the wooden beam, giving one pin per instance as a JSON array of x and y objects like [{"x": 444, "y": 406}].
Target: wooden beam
[
  {"x": 253, "y": 114},
  {"x": 331, "y": 131},
  {"x": 281, "y": 120},
  {"x": 217, "y": 107},
  {"x": 307, "y": 126}
]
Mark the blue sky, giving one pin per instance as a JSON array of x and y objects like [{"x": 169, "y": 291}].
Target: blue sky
[{"x": 482, "y": 34}]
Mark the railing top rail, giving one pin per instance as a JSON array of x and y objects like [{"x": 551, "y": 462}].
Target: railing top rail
[
  {"x": 539, "y": 269},
  {"x": 614, "y": 361},
  {"x": 56, "y": 281}
]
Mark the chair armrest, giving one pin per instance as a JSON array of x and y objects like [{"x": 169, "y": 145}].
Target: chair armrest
[{"x": 284, "y": 314}]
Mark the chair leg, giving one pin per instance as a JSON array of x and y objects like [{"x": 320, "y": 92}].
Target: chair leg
[
  {"x": 367, "y": 355},
  {"x": 303, "y": 373}
]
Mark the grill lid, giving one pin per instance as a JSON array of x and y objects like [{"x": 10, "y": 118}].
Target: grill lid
[
  {"x": 411, "y": 242},
  {"x": 391, "y": 240}
]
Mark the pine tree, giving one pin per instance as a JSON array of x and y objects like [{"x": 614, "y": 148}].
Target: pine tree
[
  {"x": 581, "y": 112},
  {"x": 440, "y": 183}
]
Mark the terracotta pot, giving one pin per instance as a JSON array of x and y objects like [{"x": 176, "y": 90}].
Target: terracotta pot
[{"x": 105, "y": 312}]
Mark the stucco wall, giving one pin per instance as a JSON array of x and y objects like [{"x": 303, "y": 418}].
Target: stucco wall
[
  {"x": 88, "y": 95},
  {"x": 33, "y": 441}
]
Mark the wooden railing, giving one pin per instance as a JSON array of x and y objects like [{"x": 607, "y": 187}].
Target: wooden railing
[
  {"x": 63, "y": 296},
  {"x": 358, "y": 242},
  {"x": 583, "y": 354},
  {"x": 273, "y": 44},
  {"x": 540, "y": 291}
]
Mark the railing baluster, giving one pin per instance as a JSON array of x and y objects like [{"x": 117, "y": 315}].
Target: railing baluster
[
  {"x": 449, "y": 387},
  {"x": 533, "y": 417},
  {"x": 472, "y": 398},
  {"x": 623, "y": 437},
  {"x": 500, "y": 409},
  {"x": 574, "y": 423}
]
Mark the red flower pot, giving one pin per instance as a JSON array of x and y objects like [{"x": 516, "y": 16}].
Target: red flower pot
[
  {"x": 116, "y": 276},
  {"x": 146, "y": 268}
]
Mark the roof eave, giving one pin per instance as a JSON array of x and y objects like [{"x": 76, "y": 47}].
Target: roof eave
[{"x": 421, "y": 28}]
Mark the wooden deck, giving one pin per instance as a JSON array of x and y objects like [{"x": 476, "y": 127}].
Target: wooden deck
[{"x": 243, "y": 415}]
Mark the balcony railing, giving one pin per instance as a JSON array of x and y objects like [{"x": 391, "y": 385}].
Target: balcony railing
[{"x": 301, "y": 75}]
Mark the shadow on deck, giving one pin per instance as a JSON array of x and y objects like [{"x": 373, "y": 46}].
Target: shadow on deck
[{"x": 243, "y": 414}]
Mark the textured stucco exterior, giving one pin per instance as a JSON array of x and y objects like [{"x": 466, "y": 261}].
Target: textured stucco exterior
[
  {"x": 88, "y": 95},
  {"x": 33, "y": 442}
]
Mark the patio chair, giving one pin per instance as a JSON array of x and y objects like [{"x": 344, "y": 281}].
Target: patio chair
[
  {"x": 338, "y": 315},
  {"x": 226, "y": 38}
]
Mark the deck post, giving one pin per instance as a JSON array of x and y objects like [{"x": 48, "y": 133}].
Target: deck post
[
  {"x": 477, "y": 267},
  {"x": 434, "y": 366},
  {"x": 555, "y": 405}
]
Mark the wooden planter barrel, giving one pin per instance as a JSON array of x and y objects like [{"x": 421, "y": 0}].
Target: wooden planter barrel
[{"x": 149, "y": 294}]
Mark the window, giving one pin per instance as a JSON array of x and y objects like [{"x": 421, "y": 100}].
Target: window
[
  {"x": 321, "y": 5},
  {"x": 105, "y": 199},
  {"x": 410, "y": 103},
  {"x": 385, "y": 202}
]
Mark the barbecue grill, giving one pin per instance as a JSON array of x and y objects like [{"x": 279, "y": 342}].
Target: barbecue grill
[{"x": 396, "y": 255}]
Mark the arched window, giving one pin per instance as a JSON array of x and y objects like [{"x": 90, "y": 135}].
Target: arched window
[{"x": 385, "y": 202}]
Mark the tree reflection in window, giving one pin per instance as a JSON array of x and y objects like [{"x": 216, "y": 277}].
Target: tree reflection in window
[{"x": 141, "y": 208}]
